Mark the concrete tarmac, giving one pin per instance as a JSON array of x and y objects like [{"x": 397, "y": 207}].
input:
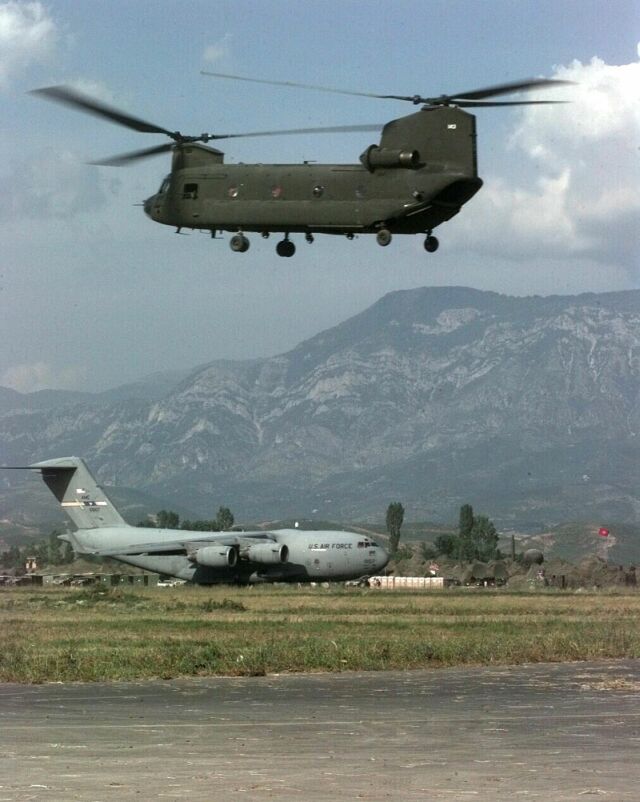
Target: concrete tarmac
[{"x": 545, "y": 732}]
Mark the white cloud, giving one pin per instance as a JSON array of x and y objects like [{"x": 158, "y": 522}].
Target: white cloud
[
  {"x": 585, "y": 154},
  {"x": 27, "y": 378},
  {"x": 218, "y": 50},
  {"x": 54, "y": 185},
  {"x": 28, "y": 35}
]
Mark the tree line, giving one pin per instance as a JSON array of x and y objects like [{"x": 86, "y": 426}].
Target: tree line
[
  {"x": 168, "y": 519},
  {"x": 49, "y": 551},
  {"x": 476, "y": 539}
]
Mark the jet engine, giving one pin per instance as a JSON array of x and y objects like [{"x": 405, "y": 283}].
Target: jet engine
[
  {"x": 375, "y": 156},
  {"x": 267, "y": 553},
  {"x": 216, "y": 556}
]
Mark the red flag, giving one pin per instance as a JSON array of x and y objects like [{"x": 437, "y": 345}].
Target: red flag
[{"x": 603, "y": 532}]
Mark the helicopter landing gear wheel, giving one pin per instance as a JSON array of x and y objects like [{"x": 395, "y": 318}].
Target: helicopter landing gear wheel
[
  {"x": 383, "y": 237},
  {"x": 239, "y": 243},
  {"x": 309, "y": 238},
  {"x": 431, "y": 244},
  {"x": 285, "y": 247}
]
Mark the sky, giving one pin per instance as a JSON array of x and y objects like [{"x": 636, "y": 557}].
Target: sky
[{"x": 93, "y": 294}]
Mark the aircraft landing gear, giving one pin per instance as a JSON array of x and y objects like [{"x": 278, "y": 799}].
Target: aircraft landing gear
[
  {"x": 309, "y": 238},
  {"x": 431, "y": 243},
  {"x": 285, "y": 247},
  {"x": 239, "y": 243},
  {"x": 383, "y": 237}
]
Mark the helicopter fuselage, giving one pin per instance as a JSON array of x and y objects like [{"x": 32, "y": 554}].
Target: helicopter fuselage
[{"x": 419, "y": 176}]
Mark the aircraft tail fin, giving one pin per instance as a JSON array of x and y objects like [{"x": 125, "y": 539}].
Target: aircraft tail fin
[{"x": 80, "y": 496}]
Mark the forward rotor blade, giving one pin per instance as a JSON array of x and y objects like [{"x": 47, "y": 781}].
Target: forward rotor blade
[
  {"x": 134, "y": 155},
  {"x": 507, "y": 89},
  {"x": 323, "y": 130},
  {"x": 71, "y": 97}
]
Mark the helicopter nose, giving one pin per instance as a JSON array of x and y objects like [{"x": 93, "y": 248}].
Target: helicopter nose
[{"x": 147, "y": 205}]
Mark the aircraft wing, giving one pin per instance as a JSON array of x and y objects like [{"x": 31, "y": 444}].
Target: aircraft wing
[{"x": 187, "y": 545}]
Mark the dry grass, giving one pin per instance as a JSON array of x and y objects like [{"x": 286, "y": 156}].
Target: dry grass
[{"x": 69, "y": 634}]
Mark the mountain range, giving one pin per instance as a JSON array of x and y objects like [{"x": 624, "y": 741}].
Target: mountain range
[{"x": 527, "y": 408}]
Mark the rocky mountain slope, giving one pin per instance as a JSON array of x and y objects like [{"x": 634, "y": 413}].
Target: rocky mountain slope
[{"x": 525, "y": 407}]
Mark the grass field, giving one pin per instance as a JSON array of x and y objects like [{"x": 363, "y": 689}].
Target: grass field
[{"x": 94, "y": 634}]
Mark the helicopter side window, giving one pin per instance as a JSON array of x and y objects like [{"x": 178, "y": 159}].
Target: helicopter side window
[{"x": 190, "y": 192}]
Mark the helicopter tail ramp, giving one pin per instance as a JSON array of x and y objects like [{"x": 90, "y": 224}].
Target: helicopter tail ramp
[{"x": 79, "y": 494}]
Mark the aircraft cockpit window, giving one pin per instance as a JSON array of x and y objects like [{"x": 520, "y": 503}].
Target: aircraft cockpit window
[{"x": 165, "y": 185}]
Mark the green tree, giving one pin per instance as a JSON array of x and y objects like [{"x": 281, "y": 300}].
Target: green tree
[
  {"x": 200, "y": 526},
  {"x": 54, "y": 549},
  {"x": 167, "y": 519},
  {"x": 10, "y": 558},
  {"x": 68, "y": 554},
  {"x": 447, "y": 545},
  {"x": 466, "y": 548},
  {"x": 427, "y": 551},
  {"x": 485, "y": 539},
  {"x": 395, "y": 517},
  {"x": 224, "y": 519}
]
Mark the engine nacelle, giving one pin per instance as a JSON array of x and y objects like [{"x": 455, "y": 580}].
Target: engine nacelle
[
  {"x": 267, "y": 553},
  {"x": 375, "y": 156},
  {"x": 216, "y": 556}
]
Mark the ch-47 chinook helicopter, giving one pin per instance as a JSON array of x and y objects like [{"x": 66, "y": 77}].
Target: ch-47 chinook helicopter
[{"x": 421, "y": 173}]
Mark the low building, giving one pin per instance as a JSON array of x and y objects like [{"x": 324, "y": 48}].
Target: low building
[{"x": 408, "y": 582}]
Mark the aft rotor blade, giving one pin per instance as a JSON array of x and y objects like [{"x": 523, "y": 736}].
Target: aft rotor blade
[
  {"x": 134, "y": 155},
  {"x": 292, "y": 84},
  {"x": 323, "y": 130},
  {"x": 507, "y": 89},
  {"x": 476, "y": 94},
  {"x": 77, "y": 100},
  {"x": 475, "y": 104}
]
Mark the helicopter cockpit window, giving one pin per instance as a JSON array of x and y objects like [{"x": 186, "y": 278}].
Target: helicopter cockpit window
[
  {"x": 190, "y": 192},
  {"x": 165, "y": 185}
]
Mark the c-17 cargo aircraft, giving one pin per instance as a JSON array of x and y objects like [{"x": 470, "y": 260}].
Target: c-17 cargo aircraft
[{"x": 281, "y": 555}]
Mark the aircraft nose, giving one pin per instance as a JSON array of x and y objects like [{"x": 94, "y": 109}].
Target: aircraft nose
[
  {"x": 383, "y": 558},
  {"x": 147, "y": 205}
]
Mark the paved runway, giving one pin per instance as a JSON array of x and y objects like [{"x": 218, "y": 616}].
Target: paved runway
[{"x": 546, "y": 732}]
